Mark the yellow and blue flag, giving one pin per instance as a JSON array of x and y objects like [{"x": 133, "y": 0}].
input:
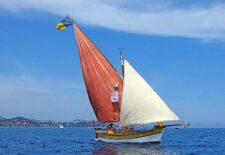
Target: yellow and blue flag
[{"x": 66, "y": 22}]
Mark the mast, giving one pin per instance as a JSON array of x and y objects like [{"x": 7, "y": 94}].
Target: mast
[
  {"x": 103, "y": 84},
  {"x": 122, "y": 62}
]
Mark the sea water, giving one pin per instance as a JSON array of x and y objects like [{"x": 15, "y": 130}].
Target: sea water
[{"x": 49, "y": 141}]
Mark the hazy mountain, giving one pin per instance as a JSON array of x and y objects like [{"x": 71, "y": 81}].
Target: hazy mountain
[
  {"x": 21, "y": 122},
  {"x": 2, "y": 118}
]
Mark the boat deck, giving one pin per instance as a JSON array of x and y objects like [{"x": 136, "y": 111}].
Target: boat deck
[{"x": 136, "y": 134}]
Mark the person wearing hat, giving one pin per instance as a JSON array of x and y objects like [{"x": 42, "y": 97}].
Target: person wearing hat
[{"x": 110, "y": 129}]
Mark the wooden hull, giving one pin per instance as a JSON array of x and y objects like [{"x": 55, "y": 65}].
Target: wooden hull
[{"x": 153, "y": 135}]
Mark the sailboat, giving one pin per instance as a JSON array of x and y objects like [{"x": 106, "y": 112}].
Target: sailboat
[
  {"x": 61, "y": 126},
  {"x": 127, "y": 98}
]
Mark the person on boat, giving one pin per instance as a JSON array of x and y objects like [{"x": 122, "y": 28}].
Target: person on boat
[
  {"x": 159, "y": 125},
  {"x": 125, "y": 130},
  {"x": 132, "y": 130},
  {"x": 110, "y": 129}
]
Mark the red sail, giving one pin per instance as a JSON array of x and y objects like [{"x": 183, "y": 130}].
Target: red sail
[{"x": 99, "y": 76}]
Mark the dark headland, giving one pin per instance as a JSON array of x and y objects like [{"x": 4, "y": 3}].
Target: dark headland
[{"x": 22, "y": 122}]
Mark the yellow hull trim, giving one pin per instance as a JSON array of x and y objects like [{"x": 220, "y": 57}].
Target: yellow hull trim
[{"x": 129, "y": 136}]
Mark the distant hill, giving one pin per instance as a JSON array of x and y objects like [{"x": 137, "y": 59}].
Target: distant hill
[
  {"x": 21, "y": 122},
  {"x": 200, "y": 125},
  {"x": 2, "y": 118}
]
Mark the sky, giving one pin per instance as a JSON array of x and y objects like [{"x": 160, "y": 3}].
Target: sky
[{"x": 178, "y": 46}]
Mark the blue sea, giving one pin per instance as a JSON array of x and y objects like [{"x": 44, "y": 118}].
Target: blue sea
[{"x": 49, "y": 141}]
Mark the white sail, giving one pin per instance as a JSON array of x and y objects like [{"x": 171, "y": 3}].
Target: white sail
[
  {"x": 61, "y": 126},
  {"x": 140, "y": 103}
]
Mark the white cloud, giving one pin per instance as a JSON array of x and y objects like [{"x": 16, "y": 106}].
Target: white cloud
[
  {"x": 43, "y": 99},
  {"x": 21, "y": 84},
  {"x": 145, "y": 17}
]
